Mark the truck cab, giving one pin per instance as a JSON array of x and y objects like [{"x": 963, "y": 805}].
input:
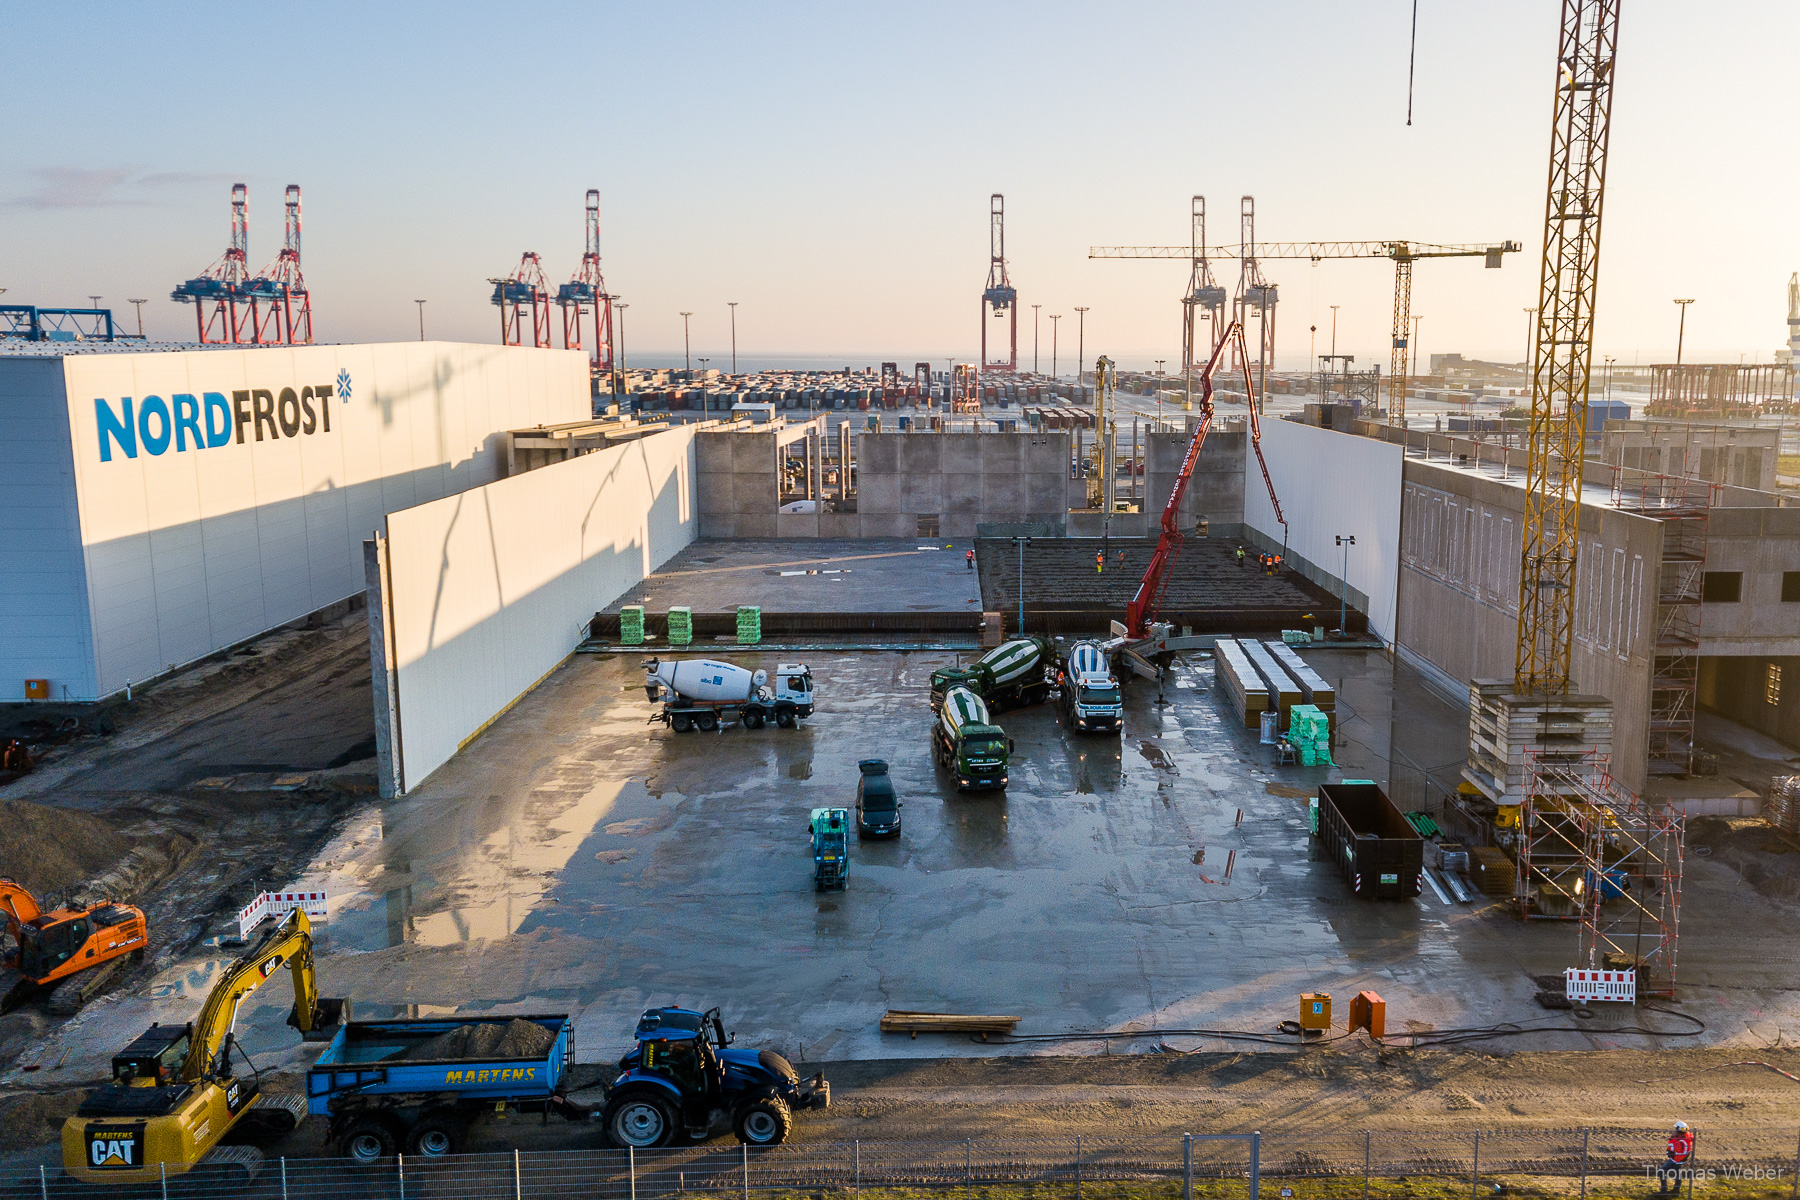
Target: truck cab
[
  {"x": 1092, "y": 703},
  {"x": 877, "y": 807},
  {"x": 793, "y": 684}
]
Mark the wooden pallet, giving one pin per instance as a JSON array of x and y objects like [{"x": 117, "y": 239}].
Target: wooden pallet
[{"x": 897, "y": 1020}]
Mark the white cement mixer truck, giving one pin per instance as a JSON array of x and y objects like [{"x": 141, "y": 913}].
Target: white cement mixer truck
[
  {"x": 704, "y": 693},
  {"x": 1090, "y": 695}
]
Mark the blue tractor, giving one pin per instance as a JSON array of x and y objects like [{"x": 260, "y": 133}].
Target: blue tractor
[{"x": 684, "y": 1078}]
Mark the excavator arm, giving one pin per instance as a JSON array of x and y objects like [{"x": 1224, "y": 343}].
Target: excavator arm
[
  {"x": 17, "y": 905},
  {"x": 288, "y": 944},
  {"x": 1156, "y": 578}
]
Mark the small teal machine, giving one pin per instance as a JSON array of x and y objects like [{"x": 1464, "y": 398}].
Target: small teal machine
[{"x": 830, "y": 829}]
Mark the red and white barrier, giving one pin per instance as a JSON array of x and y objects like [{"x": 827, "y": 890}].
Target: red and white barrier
[
  {"x": 1584, "y": 987},
  {"x": 278, "y": 904}
]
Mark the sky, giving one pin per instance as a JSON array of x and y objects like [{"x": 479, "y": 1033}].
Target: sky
[{"x": 828, "y": 166}]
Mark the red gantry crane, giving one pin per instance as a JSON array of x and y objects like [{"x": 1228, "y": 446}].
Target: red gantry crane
[
  {"x": 525, "y": 289},
  {"x": 1000, "y": 298},
  {"x": 215, "y": 292},
  {"x": 585, "y": 294},
  {"x": 280, "y": 306}
]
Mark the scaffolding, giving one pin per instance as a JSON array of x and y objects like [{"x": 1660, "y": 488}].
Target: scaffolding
[
  {"x": 1683, "y": 503},
  {"x": 1618, "y": 858}
]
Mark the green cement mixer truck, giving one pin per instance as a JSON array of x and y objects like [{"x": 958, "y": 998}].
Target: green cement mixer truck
[
  {"x": 966, "y": 743},
  {"x": 1011, "y": 675}
]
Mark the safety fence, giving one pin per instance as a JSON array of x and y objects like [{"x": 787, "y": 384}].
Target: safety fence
[{"x": 1739, "y": 1163}]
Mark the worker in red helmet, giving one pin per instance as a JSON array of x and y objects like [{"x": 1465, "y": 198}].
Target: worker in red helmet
[
  {"x": 1099, "y": 561},
  {"x": 1680, "y": 1154},
  {"x": 969, "y": 558}
]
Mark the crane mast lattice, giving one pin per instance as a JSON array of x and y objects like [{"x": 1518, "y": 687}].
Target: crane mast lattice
[
  {"x": 1563, "y": 355},
  {"x": 215, "y": 292},
  {"x": 520, "y": 296},
  {"x": 585, "y": 295}
]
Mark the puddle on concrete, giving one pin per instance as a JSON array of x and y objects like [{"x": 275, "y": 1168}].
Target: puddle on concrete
[
  {"x": 800, "y": 770},
  {"x": 1157, "y": 757}
]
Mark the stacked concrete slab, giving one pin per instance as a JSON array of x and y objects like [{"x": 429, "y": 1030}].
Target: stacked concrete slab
[{"x": 1511, "y": 734}]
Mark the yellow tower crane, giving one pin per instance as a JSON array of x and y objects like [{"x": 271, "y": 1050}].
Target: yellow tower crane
[
  {"x": 1564, "y": 349},
  {"x": 1403, "y": 254}
]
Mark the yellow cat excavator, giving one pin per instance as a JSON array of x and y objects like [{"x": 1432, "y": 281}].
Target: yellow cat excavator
[
  {"x": 66, "y": 953},
  {"x": 178, "y": 1089}
]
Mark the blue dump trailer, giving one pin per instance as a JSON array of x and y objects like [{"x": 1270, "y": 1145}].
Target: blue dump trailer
[{"x": 415, "y": 1086}]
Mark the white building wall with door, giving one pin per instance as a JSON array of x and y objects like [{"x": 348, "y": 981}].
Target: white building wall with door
[{"x": 168, "y": 504}]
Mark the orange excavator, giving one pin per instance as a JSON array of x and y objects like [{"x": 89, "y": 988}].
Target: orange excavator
[{"x": 66, "y": 953}]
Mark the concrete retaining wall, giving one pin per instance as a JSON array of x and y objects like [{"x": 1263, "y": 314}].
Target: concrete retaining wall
[
  {"x": 489, "y": 590},
  {"x": 1459, "y": 591}
]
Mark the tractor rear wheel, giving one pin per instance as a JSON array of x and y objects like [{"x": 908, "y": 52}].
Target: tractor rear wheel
[
  {"x": 640, "y": 1120},
  {"x": 763, "y": 1121},
  {"x": 436, "y": 1135}
]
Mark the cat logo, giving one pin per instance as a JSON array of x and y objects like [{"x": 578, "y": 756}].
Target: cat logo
[
  {"x": 268, "y": 968},
  {"x": 116, "y": 1149}
]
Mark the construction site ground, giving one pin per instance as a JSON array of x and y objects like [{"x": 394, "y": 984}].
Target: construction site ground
[{"x": 577, "y": 858}]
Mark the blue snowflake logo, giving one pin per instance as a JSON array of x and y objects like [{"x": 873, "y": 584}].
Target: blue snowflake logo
[{"x": 343, "y": 385}]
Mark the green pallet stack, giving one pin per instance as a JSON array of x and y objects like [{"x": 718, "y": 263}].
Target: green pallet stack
[
  {"x": 631, "y": 625},
  {"x": 681, "y": 625},
  {"x": 749, "y": 624},
  {"x": 1309, "y": 730}
]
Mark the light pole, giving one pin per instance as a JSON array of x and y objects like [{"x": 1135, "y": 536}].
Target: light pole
[
  {"x": 1530, "y": 341},
  {"x": 1080, "y": 339},
  {"x": 1346, "y": 540},
  {"x": 139, "y": 305},
  {"x": 96, "y": 301},
  {"x": 1021, "y": 543},
  {"x": 1609, "y": 362},
  {"x": 1334, "y": 309},
  {"x": 686, "y": 344},
  {"x": 1416, "y": 357},
  {"x": 733, "y": 305},
  {"x": 623, "y": 382},
  {"x": 1681, "y": 336},
  {"x": 1054, "y": 328},
  {"x": 1159, "y": 365},
  {"x": 1034, "y": 338},
  {"x": 421, "y": 305},
  {"x": 705, "y": 396}
]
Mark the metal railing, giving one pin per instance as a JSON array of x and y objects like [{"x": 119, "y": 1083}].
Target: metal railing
[{"x": 1759, "y": 1162}]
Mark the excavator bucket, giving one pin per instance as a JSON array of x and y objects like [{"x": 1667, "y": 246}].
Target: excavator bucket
[{"x": 329, "y": 1013}]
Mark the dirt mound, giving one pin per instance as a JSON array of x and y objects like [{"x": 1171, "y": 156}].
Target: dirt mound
[
  {"x": 33, "y": 1118},
  {"x": 515, "y": 1039},
  {"x": 53, "y": 849}
]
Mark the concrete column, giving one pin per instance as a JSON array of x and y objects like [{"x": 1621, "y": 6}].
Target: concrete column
[{"x": 389, "y": 762}]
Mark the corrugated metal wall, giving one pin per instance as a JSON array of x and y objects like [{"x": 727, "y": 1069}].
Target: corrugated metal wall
[
  {"x": 44, "y": 632},
  {"x": 190, "y": 548}
]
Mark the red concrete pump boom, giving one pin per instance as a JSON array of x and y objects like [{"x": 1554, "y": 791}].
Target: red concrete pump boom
[{"x": 1149, "y": 596}]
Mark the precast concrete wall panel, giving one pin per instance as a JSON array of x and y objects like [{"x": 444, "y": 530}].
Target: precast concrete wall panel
[
  {"x": 1332, "y": 483},
  {"x": 493, "y": 587},
  {"x": 43, "y": 589},
  {"x": 236, "y": 493}
]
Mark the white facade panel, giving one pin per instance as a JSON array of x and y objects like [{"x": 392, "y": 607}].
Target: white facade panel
[
  {"x": 492, "y": 588},
  {"x": 1332, "y": 483},
  {"x": 237, "y": 495},
  {"x": 44, "y": 631}
]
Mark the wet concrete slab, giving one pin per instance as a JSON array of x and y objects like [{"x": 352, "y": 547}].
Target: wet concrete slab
[
  {"x": 814, "y": 575},
  {"x": 575, "y": 858}
]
